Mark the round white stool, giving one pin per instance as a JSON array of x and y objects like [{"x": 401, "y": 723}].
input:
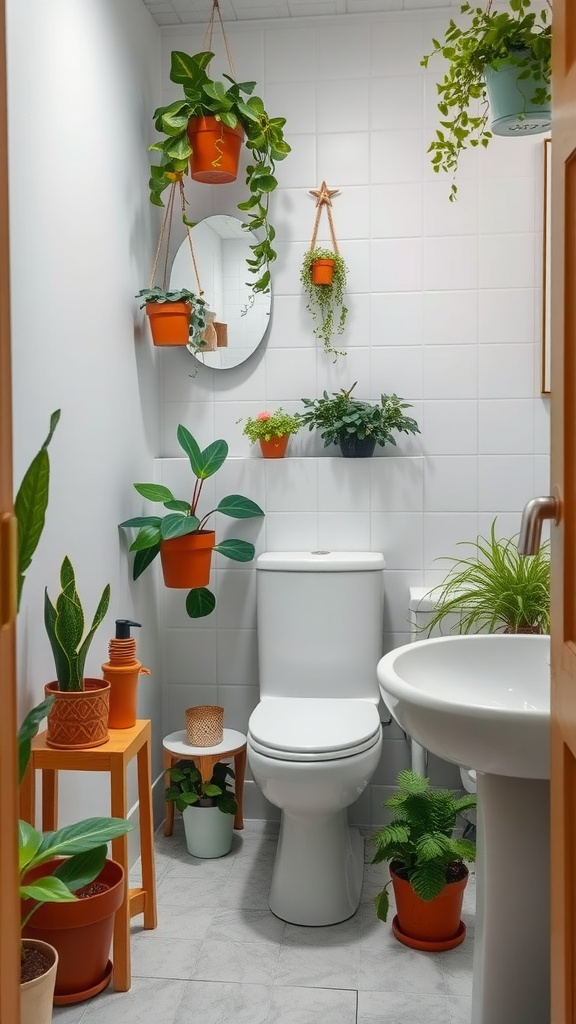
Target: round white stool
[{"x": 233, "y": 746}]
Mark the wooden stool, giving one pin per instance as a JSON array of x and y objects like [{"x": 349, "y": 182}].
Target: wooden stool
[
  {"x": 177, "y": 748},
  {"x": 112, "y": 756}
]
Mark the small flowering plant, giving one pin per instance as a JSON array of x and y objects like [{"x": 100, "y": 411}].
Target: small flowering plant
[{"x": 271, "y": 424}]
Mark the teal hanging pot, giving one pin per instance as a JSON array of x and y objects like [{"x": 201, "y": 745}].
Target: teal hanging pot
[{"x": 510, "y": 97}]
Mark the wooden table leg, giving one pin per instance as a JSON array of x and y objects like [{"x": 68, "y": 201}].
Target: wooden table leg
[
  {"x": 239, "y": 773},
  {"x": 146, "y": 835},
  {"x": 168, "y": 760},
  {"x": 121, "y": 944},
  {"x": 28, "y": 795},
  {"x": 49, "y": 799}
]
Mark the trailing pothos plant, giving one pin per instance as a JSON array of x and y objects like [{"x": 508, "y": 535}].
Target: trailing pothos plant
[
  {"x": 491, "y": 38},
  {"x": 325, "y": 302},
  {"x": 232, "y": 103},
  {"x": 182, "y": 518}
]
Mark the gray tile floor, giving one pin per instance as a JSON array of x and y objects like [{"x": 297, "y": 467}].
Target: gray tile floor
[{"x": 219, "y": 956}]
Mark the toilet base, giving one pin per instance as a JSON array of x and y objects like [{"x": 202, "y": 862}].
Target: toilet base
[{"x": 317, "y": 877}]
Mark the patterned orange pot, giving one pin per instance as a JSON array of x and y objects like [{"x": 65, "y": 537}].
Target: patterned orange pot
[
  {"x": 78, "y": 719},
  {"x": 215, "y": 150}
]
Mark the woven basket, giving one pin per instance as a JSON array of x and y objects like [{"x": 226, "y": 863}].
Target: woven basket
[{"x": 204, "y": 725}]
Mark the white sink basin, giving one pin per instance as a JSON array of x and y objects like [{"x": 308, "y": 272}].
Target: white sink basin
[{"x": 479, "y": 701}]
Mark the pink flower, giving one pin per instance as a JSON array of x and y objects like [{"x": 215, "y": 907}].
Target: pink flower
[{"x": 263, "y": 416}]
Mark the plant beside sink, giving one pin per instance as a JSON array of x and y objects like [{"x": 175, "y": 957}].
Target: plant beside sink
[{"x": 427, "y": 866}]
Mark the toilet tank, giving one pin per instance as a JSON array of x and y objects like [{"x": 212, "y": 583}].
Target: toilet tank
[{"x": 320, "y": 623}]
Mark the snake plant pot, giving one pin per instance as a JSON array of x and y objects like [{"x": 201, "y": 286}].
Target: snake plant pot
[
  {"x": 357, "y": 448},
  {"x": 208, "y": 831},
  {"x": 36, "y": 995},
  {"x": 215, "y": 150},
  {"x": 169, "y": 322},
  {"x": 186, "y": 560},
  {"x": 430, "y": 925},
  {"x": 511, "y": 107},
  {"x": 78, "y": 719},
  {"x": 275, "y": 448},
  {"x": 81, "y": 932}
]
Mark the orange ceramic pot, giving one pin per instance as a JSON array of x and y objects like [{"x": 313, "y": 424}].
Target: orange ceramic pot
[
  {"x": 275, "y": 448},
  {"x": 169, "y": 322},
  {"x": 322, "y": 271},
  {"x": 215, "y": 150},
  {"x": 186, "y": 561},
  {"x": 78, "y": 719},
  {"x": 432, "y": 925}
]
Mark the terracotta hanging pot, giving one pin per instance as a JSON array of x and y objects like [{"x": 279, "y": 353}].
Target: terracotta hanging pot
[
  {"x": 36, "y": 996},
  {"x": 81, "y": 933},
  {"x": 215, "y": 150},
  {"x": 322, "y": 271},
  {"x": 432, "y": 925},
  {"x": 275, "y": 448},
  {"x": 186, "y": 561},
  {"x": 78, "y": 719},
  {"x": 169, "y": 322}
]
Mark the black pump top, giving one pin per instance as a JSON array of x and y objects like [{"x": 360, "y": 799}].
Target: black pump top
[{"x": 123, "y": 628}]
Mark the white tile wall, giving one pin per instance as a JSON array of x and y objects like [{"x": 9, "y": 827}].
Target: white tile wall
[{"x": 444, "y": 300}]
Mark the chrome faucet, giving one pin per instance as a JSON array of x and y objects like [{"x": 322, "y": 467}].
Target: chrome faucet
[{"x": 534, "y": 514}]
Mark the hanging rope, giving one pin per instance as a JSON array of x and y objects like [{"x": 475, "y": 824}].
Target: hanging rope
[
  {"x": 207, "y": 44},
  {"x": 324, "y": 200},
  {"x": 166, "y": 232}
]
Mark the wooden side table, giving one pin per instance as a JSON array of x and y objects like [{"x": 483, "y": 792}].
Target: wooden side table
[
  {"x": 233, "y": 746},
  {"x": 113, "y": 757}
]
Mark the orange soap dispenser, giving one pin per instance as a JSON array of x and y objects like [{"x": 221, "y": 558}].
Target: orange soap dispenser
[{"x": 122, "y": 673}]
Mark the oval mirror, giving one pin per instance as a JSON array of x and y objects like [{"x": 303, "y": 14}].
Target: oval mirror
[{"x": 238, "y": 319}]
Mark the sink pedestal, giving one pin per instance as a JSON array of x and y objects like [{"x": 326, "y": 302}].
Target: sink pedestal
[{"x": 511, "y": 973}]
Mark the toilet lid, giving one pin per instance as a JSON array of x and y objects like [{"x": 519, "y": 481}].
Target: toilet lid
[{"x": 313, "y": 729}]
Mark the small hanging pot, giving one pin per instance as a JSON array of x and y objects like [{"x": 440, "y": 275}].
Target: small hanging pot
[
  {"x": 169, "y": 322},
  {"x": 275, "y": 448},
  {"x": 215, "y": 150},
  {"x": 322, "y": 271},
  {"x": 510, "y": 97},
  {"x": 186, "y": 561}
]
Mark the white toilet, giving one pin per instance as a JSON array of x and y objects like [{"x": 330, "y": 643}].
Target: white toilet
[{"x": 315, "y": 738}]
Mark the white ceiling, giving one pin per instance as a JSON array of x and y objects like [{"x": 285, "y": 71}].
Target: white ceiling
[{"x": 187, "y": 12}]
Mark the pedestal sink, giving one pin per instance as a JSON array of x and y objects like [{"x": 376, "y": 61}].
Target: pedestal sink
[{"x": 484, "y": 702}]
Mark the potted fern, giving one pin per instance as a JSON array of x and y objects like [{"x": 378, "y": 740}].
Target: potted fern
[
  {"x": 208, "y": 808},
  {"x": 427, "y": 868},
  {"x": 272, "y": 430},
  {"x": 323, "y": 276},
  {"x": 499, "y": 64},
  {"x": 355, "y": 425}
]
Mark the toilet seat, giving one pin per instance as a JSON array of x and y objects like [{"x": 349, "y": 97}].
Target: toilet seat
[{"x": 313, "y": 729}]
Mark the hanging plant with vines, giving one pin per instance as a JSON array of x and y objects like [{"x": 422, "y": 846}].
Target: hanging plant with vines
[{"x": 325, "y": 294}]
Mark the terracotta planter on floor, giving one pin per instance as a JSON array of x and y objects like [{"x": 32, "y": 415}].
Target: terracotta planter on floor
[
  {"x": 432, "y": 925},
  {"x": 215, "y": 150},
  {"x": 78, "y": 719},
  {"x": 81, "y": 933},
  {"x": 275, "y": 448},
  {"x": 36, "y": 996},
  {"x": 169, "y": 322},
  {"x": 322, "y": 271},
  {"x": 186, "y": 561}
]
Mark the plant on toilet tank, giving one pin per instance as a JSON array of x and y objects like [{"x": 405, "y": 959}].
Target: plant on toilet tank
[{"x": 180, "y": 536}]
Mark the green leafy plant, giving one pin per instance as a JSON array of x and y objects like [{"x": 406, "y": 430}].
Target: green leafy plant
[
  {"x": 182, "y": 518},
  {"x": 496, "y": 589},
  {"x": 325, "y": 302},
  {"x": 232, "y": 103},
  {"x": 83, "y": 844},
  {"x": 65, "y": 627},
  {"x": 198, "y": 308},
  {"x": 340, "y": 416},
  {"x": 30, "y": 505},
  {"x": 419, "y": 840},
  {"x": 267, "y": 425},
  {"x": 492, "y": 38},
  {"x": 188, "y": 789}
]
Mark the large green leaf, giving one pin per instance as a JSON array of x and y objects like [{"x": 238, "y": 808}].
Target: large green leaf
[
  {"x": 142, "y": 521},
  {"x": 80, "y": 837},
  {"x": 238, "y": 507},
  {"x": 28, "y": 731},
  {"x": 213, "y": 457},
  {"x": 183, "y": 67},
  {"x": 69, "y": 624},
  {"x": 178, "y": 526},
  {"x": 29, "y": 842},
  {"x": 47, "y": 890},
  {"x": 98, "y": 616},
  {"x": 31, "y": 503},
  {"x": 142, "y": 560},
  {"x": 154, "y": 492},
  {"x": 191, "y": 447},
  {"x": 200, "y": 602},
  {"x": 82, "y": 868},
  {"x": 61, "y": 661},
  {"x": 147, "y": 537},
  {"x": 238, "y": 550}
]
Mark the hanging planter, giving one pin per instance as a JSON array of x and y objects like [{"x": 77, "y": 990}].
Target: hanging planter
[
  {"x": 323, "y": 277},
  {"x": 322, "y": 271},
  {"x": 215, "y": 150},
  {"x": 186, "y": 561},
  {"x": 517, "y": 105}
]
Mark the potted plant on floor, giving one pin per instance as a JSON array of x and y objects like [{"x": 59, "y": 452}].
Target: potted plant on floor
[
  {"x": 357, "y": 426},
  {"x": 272, "y": 430},
  {"x": 79, "y": 717},
  {"x": 496, "y": 590},
  {"x": 180, "y": 537},
  {"x": 208, "y": 808},
  {"x": 500, "y": 59},
  {"x": 219, "y": 112},
  {"x": 427, "y": 866},
  {"x": 64, "y": 948},
  {"x": 323, "y": 276},
  {"x": 176, "y": 317}
]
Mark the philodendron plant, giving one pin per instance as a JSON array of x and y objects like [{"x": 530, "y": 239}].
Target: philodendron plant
[
  {"x": 182, "y": 518},
  {"x": 65, "y": 627}
]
